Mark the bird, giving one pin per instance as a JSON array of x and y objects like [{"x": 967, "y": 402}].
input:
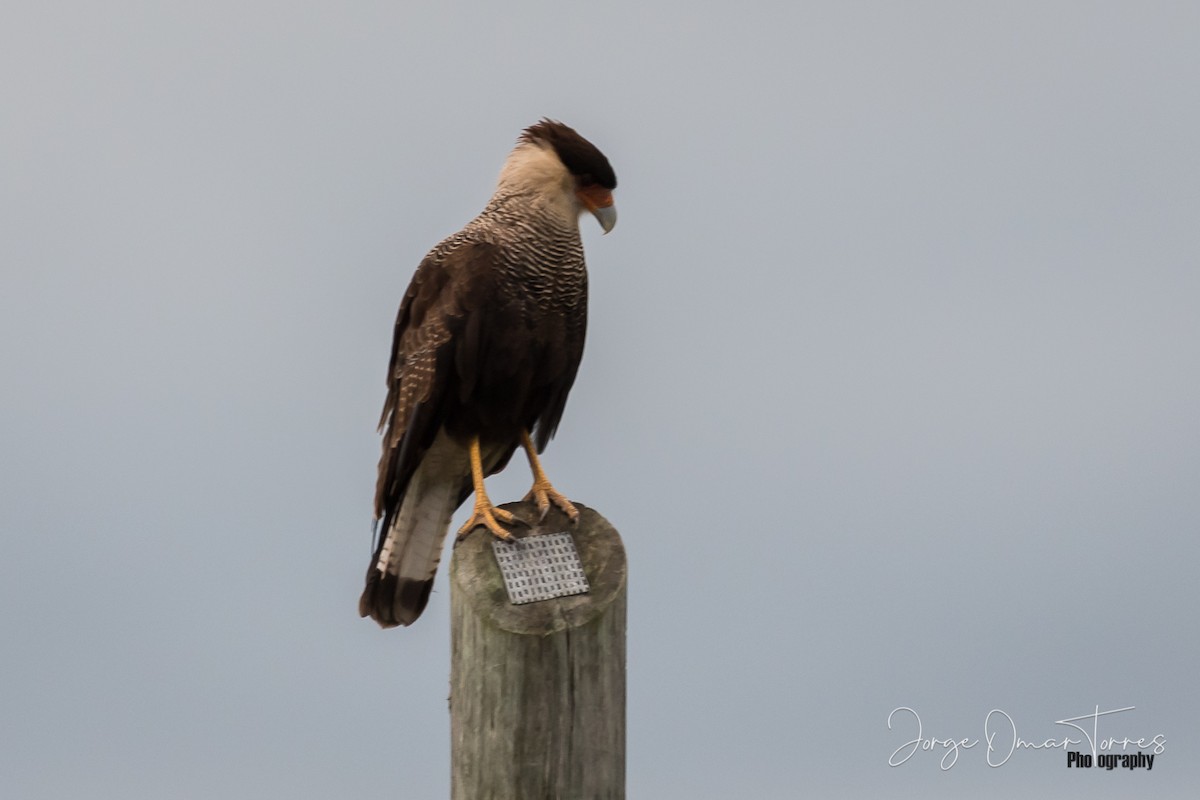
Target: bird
[{"x": 486, "y": 346}]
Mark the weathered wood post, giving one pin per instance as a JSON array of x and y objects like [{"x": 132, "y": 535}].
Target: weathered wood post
[{"x": 537, "y": 691}]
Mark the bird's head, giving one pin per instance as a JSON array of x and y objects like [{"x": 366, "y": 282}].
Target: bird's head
[{"x": 553, "y": 160}]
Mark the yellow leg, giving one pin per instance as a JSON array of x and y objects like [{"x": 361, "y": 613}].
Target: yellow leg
[
  {"x": 542, "y": 492},
  {"x": 485, "y": 513}
]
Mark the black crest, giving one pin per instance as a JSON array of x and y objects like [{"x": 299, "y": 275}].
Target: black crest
[{"x": 581, "y": 157}]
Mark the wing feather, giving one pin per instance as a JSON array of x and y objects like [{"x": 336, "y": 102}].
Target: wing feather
[{"x": 426, "y": 362}]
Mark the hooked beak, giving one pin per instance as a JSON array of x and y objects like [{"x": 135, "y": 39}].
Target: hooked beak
[{"x": 599, "y": 201}]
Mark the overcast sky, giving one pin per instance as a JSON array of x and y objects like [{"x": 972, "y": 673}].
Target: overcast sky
[{"x": 891, "y": 384}]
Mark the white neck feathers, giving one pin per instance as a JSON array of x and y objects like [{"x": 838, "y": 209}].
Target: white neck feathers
[{"x": 535, "y": 170}]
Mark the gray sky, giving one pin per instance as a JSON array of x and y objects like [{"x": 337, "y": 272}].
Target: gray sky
[{"x": 891, "y": 383}]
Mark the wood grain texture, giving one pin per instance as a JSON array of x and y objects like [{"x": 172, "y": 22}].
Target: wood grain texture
[{"x": 537, "y": 703}]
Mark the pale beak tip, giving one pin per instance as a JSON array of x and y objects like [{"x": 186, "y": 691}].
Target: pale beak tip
[{"x": 607, "y": 217}]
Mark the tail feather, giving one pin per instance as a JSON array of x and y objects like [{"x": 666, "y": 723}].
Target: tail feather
[
  {"x": 401, "y": 574},
  {"x": 391, "y": 600}
]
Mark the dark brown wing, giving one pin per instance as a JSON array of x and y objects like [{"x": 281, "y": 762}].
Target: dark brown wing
[{"x": 446, "y": 288}]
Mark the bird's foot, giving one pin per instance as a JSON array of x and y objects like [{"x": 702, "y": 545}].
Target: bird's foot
[
  {"x": 543, "y": 494},
  {"x": 490, "y": 517}
]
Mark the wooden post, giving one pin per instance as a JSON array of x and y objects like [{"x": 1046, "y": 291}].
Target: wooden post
[{"x": 537, "y": 691}]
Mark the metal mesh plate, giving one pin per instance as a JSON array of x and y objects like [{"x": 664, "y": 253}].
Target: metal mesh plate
[{"x": 540, "y": 567}]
